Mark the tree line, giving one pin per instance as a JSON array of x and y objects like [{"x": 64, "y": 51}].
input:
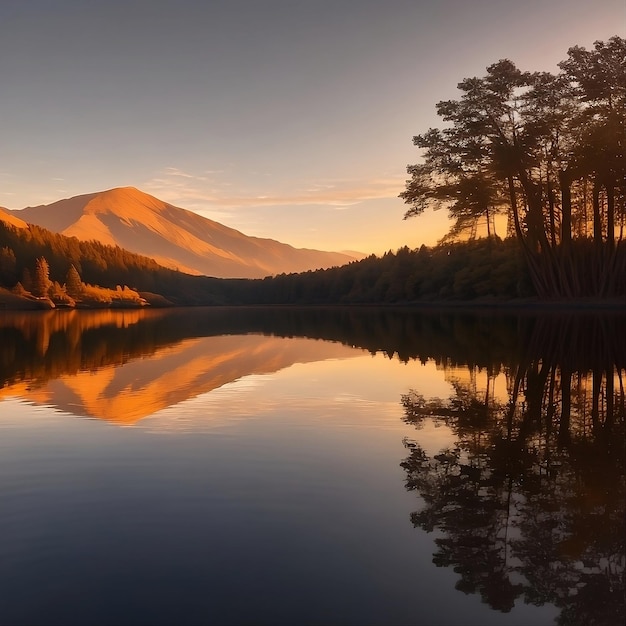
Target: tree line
[
  {"x": 547, "y": 151},
  {"x": 43, "y": 263}
]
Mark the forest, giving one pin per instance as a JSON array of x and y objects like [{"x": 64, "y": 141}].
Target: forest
[
  {"x": 69, "y": 272},
  {"x": 543, "y": 152}
]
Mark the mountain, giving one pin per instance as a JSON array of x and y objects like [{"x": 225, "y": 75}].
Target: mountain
[
  {"x": 9, "y": 217},
  {"x": 174, "y": 237}
]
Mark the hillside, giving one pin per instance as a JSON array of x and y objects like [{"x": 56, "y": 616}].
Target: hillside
[
  {"x": 8, "y": 217},
  {"x": 174, "y": 237}
]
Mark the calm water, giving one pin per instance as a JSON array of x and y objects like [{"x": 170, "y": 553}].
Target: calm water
[{"x": 311, "y": 467}]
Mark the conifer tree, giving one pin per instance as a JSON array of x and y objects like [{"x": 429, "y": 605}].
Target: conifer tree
[
  {"x": 73, "y": 283},
  {"x": 8, "y": 266},
  {"x": 41, "y": 280}
]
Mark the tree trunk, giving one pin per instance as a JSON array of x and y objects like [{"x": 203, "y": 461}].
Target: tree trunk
[
  {"x": 551, "y": 214},
  {"x": 566, "y": 209},
  {"x": 610, "y": 215},
  {"x": 514, "y": 209},
  {"x": 597, "y": 216}
]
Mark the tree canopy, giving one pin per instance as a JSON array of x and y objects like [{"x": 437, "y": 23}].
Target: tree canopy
[{"x": 547, "y": 150}]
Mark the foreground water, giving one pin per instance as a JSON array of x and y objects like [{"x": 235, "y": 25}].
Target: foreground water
[{"x": 311, "y": 467}]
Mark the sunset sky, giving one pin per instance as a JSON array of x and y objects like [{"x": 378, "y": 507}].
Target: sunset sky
[{"x": 287, "y": 119}]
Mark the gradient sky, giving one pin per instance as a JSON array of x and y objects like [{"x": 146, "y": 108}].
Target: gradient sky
[{"x": 287, "y": 119}]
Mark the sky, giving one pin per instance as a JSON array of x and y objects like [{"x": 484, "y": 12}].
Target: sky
[{"x": 288, "y": 119}]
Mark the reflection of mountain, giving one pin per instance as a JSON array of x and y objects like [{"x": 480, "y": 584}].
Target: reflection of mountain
[
  {"x": 128, "y": 391},
  {"x": 174, "y": 237}
]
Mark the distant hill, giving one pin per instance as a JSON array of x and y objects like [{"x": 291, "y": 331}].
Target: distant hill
[{"x": 174, "y": 237}]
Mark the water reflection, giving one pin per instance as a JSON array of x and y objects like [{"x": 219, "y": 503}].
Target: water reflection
[
  {"x": 124, "y": 366},
  {"x": 527, "y": 499},
  {"x": 530, "y": 497}
]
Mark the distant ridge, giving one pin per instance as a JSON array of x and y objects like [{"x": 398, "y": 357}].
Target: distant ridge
[{"x": 174, "y": 237}]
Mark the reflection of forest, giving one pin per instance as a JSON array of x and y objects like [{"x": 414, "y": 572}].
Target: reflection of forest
[
  {"x": 124, "y": 366},
  {"x": 530, "y": 500},
  {"x": 39, "y": 347},
  {"x": 86, "y": 338}
]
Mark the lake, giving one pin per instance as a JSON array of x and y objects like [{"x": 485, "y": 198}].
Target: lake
[{"x": 285, "y": 466}]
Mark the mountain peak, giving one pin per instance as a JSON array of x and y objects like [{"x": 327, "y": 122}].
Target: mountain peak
[
  {"x": 126, "y": 192},
  {"x": 124, "y": 201}
]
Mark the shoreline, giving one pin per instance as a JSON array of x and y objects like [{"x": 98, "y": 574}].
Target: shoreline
[{"x": 11, "y": 302}]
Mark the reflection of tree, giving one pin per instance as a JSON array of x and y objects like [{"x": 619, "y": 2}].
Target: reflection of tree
[{"x": 530, "y": 500}]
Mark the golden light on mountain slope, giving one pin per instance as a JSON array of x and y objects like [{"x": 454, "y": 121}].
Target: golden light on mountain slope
[
  {"x": 10, "y": 218},
  {"x": 127, "y": 392},
  {"x": 173, "y": 236},
  {"x": 88, "y": 227},
  {"x": 108, "y": 216}
]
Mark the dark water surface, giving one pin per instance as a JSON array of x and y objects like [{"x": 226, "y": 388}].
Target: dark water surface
[{"x": 259, "y": 466}]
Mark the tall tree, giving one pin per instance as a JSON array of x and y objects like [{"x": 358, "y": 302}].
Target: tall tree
[
  {"x": 41, "y": 279},
  {"x": 598, "y": 77},
  {"x": 73, "y": 283}
]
